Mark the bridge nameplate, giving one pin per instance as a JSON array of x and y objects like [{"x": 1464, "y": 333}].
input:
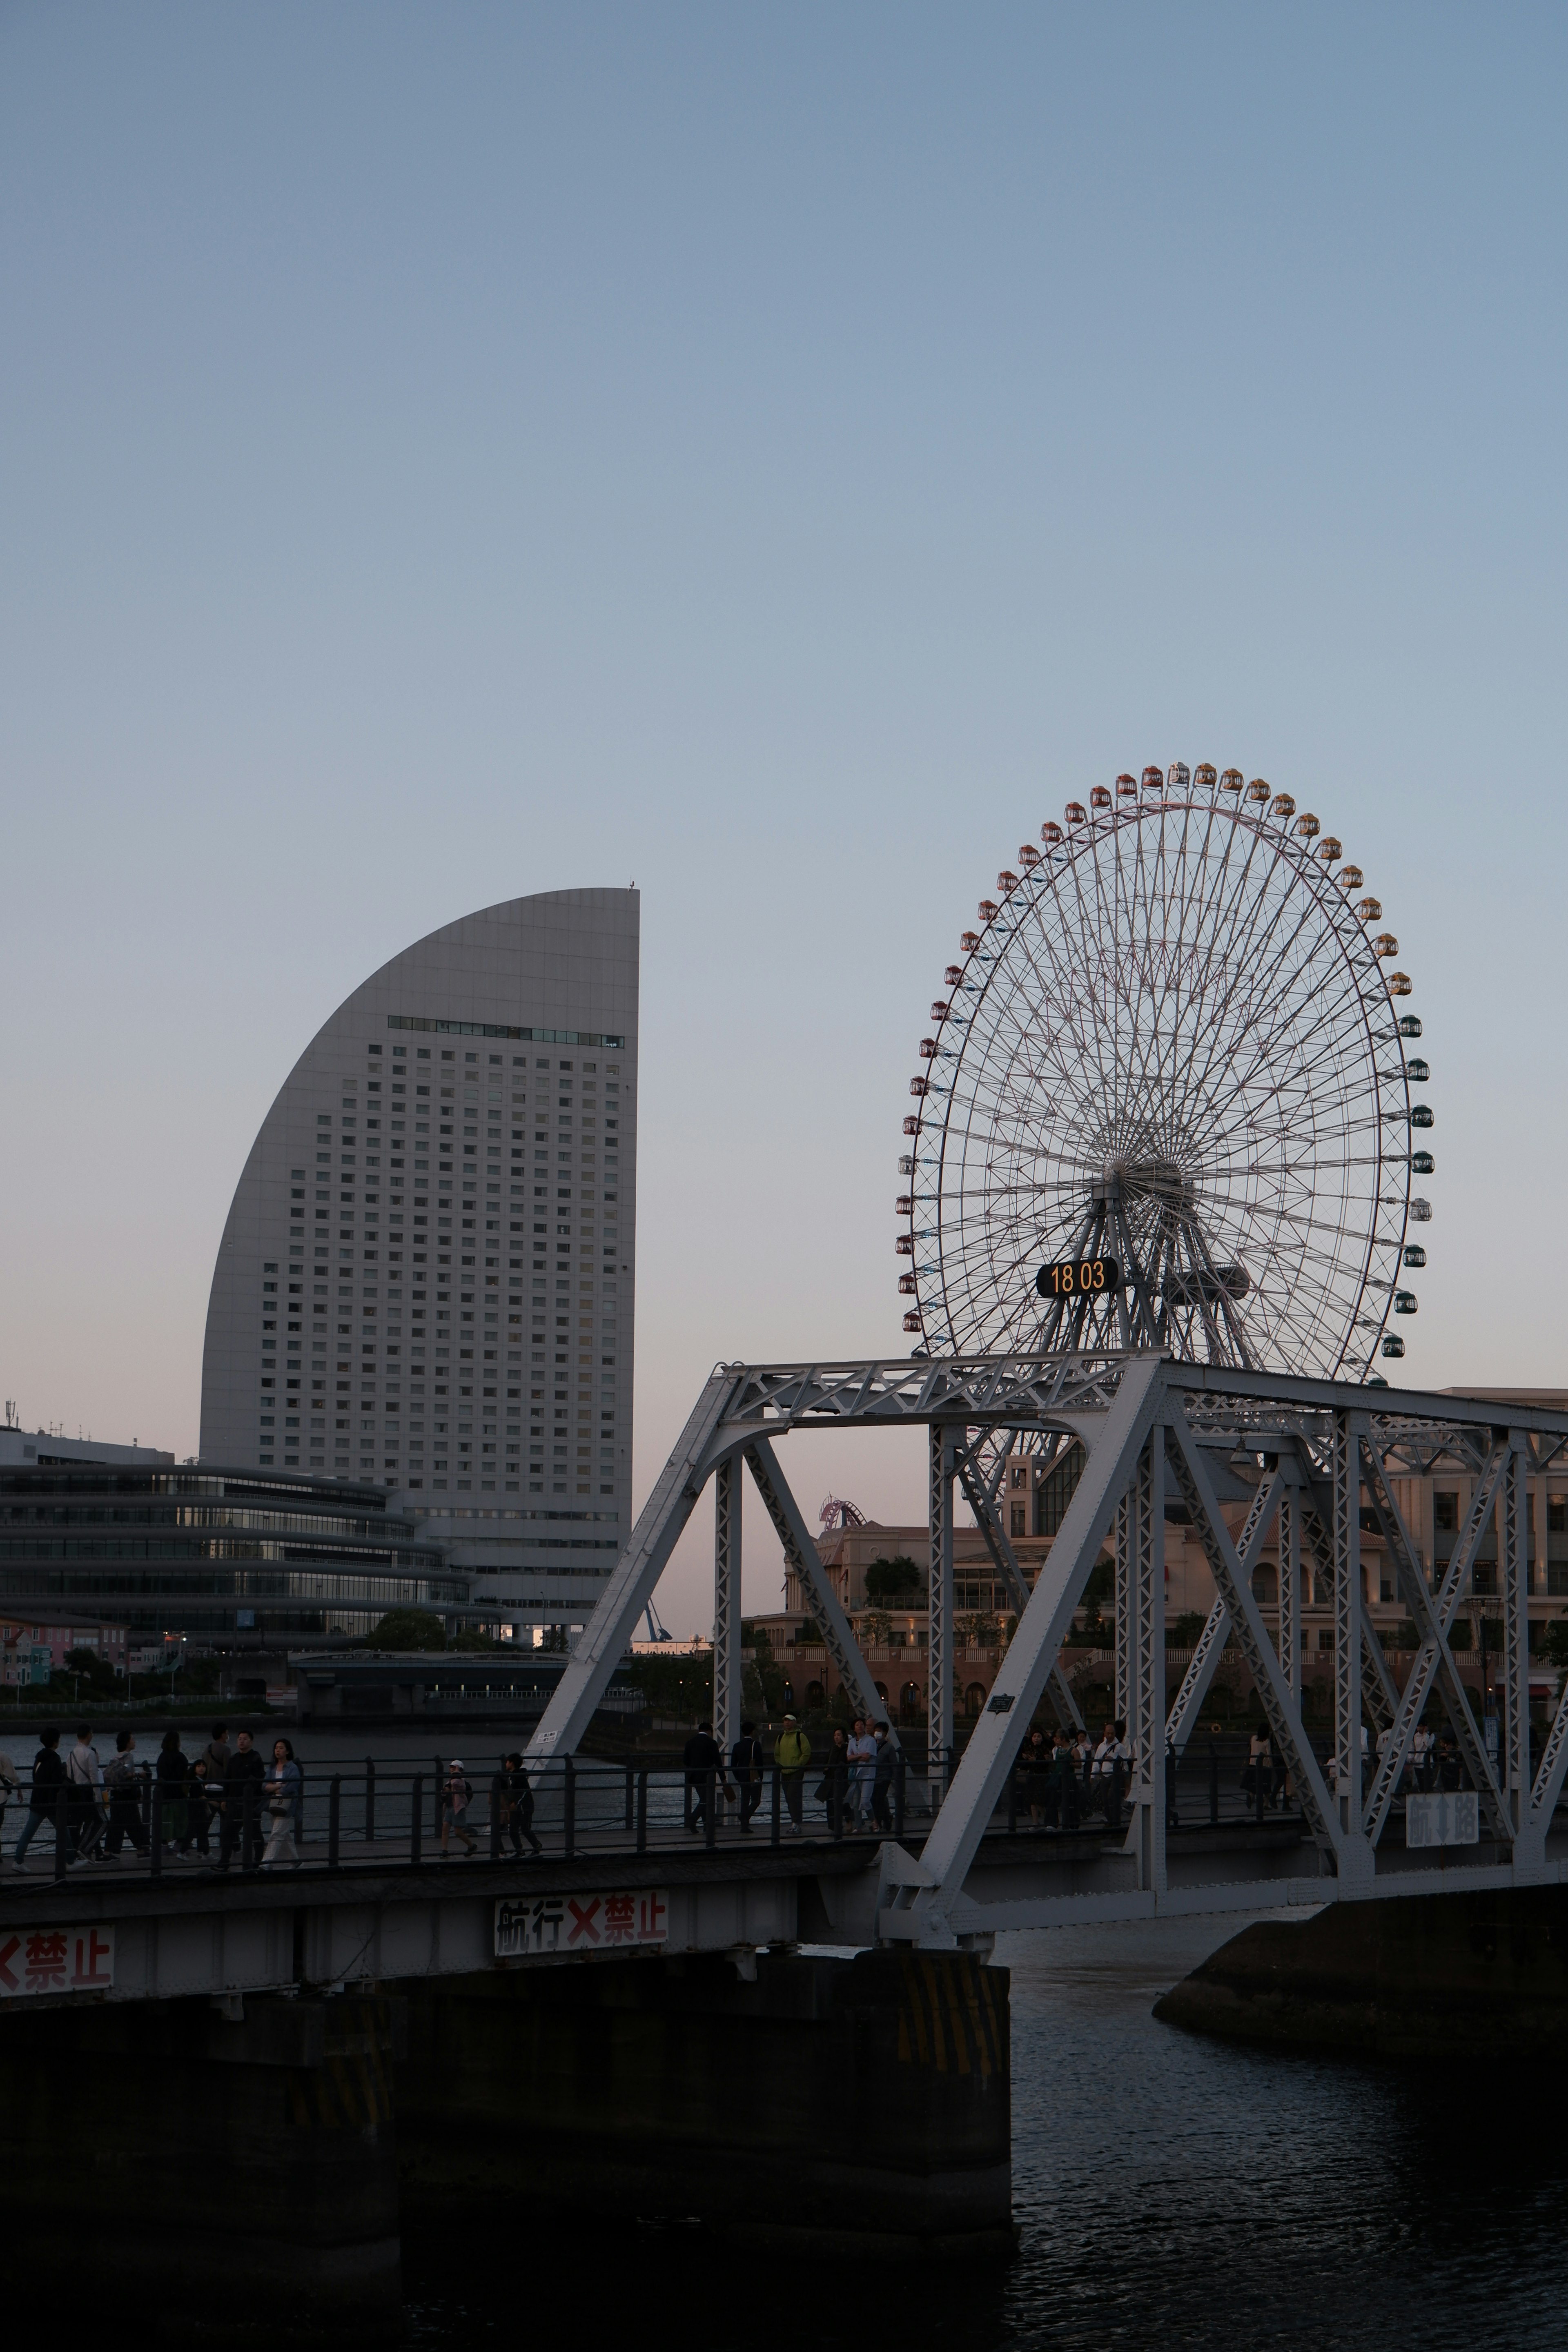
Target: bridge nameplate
[{"x": 529, "y": 1926}]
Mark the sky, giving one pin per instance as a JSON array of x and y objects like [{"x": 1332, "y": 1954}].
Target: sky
[{"x": 780, "y": 456}]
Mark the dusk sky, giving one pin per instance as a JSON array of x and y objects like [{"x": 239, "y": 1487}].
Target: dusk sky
[{"x": 780, "y": 456}]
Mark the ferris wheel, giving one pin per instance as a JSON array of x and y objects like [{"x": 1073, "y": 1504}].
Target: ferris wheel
[{"x": 1168, "y": 1100}]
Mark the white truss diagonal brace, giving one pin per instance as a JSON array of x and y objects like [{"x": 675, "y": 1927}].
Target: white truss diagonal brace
[
  {"x": 1005, "y": 1561},
  {"x": 1211, "y": 1642},
  {"x": 1432, "y": 1624},
  {"x": 988, "y": 1758},
  {"x": 632, "y": 1581},
  {"x": 805, "y": 1559},
  {"x": 1192, "y": 1473}
]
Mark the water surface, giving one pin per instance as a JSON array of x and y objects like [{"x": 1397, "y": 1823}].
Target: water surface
[{"x": 1172, "y": 2195}]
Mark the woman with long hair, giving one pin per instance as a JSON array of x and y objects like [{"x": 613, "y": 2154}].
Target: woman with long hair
[{"x": 285, "y": 1801}]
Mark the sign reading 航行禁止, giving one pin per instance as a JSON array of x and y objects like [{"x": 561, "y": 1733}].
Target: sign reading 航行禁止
[
  {"x": 56, "y": 1960},
  {"x": 1442, "y": 1819},
  {"x": 529, "y": 1924}
]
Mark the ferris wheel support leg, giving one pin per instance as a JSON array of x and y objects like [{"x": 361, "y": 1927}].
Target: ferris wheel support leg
[
  {"x": 939, "y": 1601},
  {"x": 726, "y": 1604}
]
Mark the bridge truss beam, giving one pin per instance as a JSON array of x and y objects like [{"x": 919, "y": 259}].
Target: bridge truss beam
[{"x": 1304, "y": 1453}]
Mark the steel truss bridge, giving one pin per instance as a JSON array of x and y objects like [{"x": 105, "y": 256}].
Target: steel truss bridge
[{"x": 1298, "y": 1459}]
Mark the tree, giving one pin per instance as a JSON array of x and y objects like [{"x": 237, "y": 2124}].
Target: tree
[
  {"x": 893, "y": 1580},
  {"x": 978, "y": 1630},
  {"x": 409, "y": 1629},
  {"x": 1554, "y": 1642},
  {"x": 95, "y": 1672}
]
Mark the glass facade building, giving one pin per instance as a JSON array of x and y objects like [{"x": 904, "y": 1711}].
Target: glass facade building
[{"x": 233, "y": 1559}]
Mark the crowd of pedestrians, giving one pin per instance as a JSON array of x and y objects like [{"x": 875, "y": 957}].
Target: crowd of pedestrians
[
  {"x": 1065, "y": 1779},
  {"x": 854, "y": 1787},
  {"x": 255, "y": 1807}
]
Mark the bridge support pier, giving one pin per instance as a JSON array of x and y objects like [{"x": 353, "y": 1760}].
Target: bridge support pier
[
  {"x": 226, "y": 2173},
  {"x": 678, "y": 2087}
]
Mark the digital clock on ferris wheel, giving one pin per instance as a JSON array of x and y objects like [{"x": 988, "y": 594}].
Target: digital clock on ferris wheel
[{"x": 1078, "y": 1277}]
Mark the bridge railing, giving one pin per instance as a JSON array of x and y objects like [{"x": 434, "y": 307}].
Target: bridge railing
[{"x": 390, "y": 1813}]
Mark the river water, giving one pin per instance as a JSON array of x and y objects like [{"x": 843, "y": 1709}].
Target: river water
[{"x": 1172, "y": 2195}]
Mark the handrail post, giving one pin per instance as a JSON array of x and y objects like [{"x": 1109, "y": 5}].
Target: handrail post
[
  {"x": 370, "y": 1800},
  {"x": 156, "y": 1830},
  {"x": 569, "y": 1811},
  {"x": 417, "y": 1820},
  {"x": 629, "y": 1778},
  {"x": 898, "y": 1779},
  {"x": 642, "y": 1810},
  {"x": 836, "y": 1801},
  {"x": 1214, "y": 1786},
  {"x": 437, "y": 1792},
  {"x": 62, "y": 1814},
  {"x": 1013, "y": 1798},
  {"x": 495, "y": 1816},
  {"x": 710, "y": 1808},
  {"x": 775, "y": 1826},
  {"x": 334, "y": 1819}
]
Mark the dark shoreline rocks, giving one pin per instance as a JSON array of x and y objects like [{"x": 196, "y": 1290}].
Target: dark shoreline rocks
[{"x": 1481, "y": 1975}]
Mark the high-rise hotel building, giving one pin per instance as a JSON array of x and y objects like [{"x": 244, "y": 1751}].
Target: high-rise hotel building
[{"x": 426, "y": 1277}]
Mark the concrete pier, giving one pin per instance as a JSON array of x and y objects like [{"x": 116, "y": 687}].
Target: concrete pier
[
  {"x": 223, "y": 2175},
  {"x": 860, "y": 2102},
  {"x": 1481, "y": 1974}
]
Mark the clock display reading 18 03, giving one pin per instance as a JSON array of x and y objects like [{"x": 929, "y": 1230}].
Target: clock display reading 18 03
[{"x": 1074, "y": 1277}]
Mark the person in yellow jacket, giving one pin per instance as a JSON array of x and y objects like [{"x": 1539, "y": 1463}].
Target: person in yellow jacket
[{"x": 792, "y": 1753}]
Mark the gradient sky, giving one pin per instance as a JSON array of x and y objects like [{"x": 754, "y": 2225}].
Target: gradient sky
[{"x": 781, "y": 456}]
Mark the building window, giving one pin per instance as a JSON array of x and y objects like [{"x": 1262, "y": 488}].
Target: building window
[
  {"x": 1446, "y": 1512},
  {"x": 1057, "y": 1491}
]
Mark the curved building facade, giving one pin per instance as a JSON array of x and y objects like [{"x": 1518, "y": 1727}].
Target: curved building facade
[
  {"x": 230, "y": 1559},
  {"x": 426, "y": 1275}
]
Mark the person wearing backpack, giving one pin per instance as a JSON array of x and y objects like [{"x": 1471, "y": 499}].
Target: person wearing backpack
[
  {"x": 792, "y": 1753},
  {"x": 455, "y": 1795}
]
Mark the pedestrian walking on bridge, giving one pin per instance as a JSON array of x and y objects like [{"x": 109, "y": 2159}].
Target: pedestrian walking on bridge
[
  {"x": 241, "y": 1803},
  {"x": 122, "y": 1785},
  {"x": 455, "y": 1799},
  {"x": 85, "y": 1777},
  {"x": 517, "y": 1804},
  {"x": 172, "y": 1773},
  {"x": 747, "y": 1764},
  {"x": 49, "y": 1780},
  {"x": 703, "y": 1758},
  {"x": 285, "y": 1806},
  {"x": 886, "y": 1767},
  {"x": 792, "y": 1753}
]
